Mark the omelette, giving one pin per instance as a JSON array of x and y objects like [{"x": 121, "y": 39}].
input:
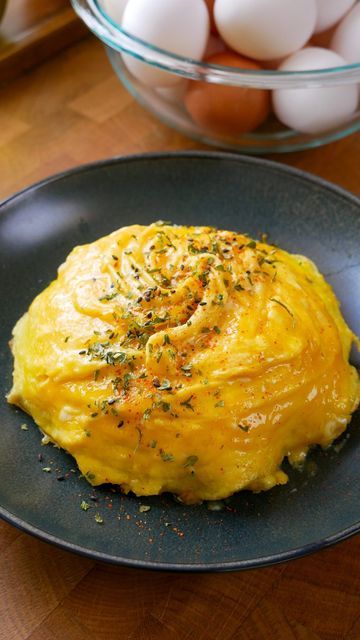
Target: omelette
[{"x": 185, "y": 359}]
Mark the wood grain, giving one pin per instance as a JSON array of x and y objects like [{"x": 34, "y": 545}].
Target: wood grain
[
  {"x": 34, "y": 579},
  {"x": 33, "y": 30},
  {"x": 23, "y": 15},
  {"x": 72, "y": 110}
]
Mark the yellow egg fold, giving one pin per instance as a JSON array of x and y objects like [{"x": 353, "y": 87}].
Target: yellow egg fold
[{"x": 185, "y": 359}]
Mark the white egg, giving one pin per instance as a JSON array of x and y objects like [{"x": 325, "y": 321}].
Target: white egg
[
  {"x": 265, "y": 29},
  {"x": 329, "y": 12},
  {"x": 114, "y": 8},
  {"x": 314, "y": 110},
  {"x": 178, "y": 26},
  {"x": 346, "y": 39}
]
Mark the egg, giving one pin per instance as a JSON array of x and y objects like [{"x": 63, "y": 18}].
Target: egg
[
  {"x": 314, "y": 110},
  {"x": 174, "y": 94},
  {"x": 322, "y": 39},
  {"x": 210, "y": 6},
  {"x": 225, "y": 109},
  {"x": 329, "y": 12},
  {"x": 114, "y": 8},
  {"x": 191, "y": 360},
  {"x": 346, "y": 39},
  {"x": 215, "y": 45},
  {"x": 265, "y": 29},
  {"x": 179, "y": 26}
]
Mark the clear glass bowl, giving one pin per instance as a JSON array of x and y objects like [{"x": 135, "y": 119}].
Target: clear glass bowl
[{"x": 168, "y": 104}]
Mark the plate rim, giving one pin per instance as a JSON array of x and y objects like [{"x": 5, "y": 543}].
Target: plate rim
[
  {"x": 234, "y": 565},
  {"x": 192, "y": 154},
  {"x": 201, "y": 567}
]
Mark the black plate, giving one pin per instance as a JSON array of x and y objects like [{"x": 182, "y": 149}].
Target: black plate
[{"x": 38, "y": 228}]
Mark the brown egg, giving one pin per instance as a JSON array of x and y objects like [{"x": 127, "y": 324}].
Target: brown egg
[
  {"x": 215, "y": 45},
  {"x": 210, "y": 6},
  {"x": 224, "y": 109},
  {"x": 322, "y": 39}
]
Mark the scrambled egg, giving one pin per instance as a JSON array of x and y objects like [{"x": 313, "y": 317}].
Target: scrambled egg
[{"x": 185, "y": 359}]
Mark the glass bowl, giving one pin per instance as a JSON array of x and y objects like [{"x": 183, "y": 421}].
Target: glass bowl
[{"x": 168, "y": 103}]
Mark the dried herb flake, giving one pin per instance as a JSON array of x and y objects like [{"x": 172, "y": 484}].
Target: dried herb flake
[{"x": 190, "y": 461}]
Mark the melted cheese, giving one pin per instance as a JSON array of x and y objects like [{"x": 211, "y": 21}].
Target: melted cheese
[{"x": 185, "y": 359}]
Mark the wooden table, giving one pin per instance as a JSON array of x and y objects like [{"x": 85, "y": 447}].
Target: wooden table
[{"x": 72, "y": 110}]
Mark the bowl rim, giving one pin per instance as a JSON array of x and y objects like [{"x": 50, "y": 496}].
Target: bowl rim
[{"x": 111, "y": 34}]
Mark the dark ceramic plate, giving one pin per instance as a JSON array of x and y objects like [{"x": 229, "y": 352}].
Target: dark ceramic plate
[{"x": 38, "y": 227}]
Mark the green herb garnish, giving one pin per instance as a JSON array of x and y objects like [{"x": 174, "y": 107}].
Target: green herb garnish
[
  {"x": 143, "y": 508},
  {"x": 165, "y": 406},
  {"x": 165, "y": 385},
  {"x": 186, "y": 369},
  {"x": 109, "y": 296},
  {"x": 283, "y": 306},
  {"x": 190, "y": 461},
  {"x": 167, "y": 457},
  {"x": 147, "y": 414},
  {"x": 187, "y": 403}
]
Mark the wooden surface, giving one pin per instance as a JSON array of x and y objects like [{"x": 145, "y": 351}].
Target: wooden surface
[
  {"x": 69, "y": 111},
  {"x": 33, "y": 30}
]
